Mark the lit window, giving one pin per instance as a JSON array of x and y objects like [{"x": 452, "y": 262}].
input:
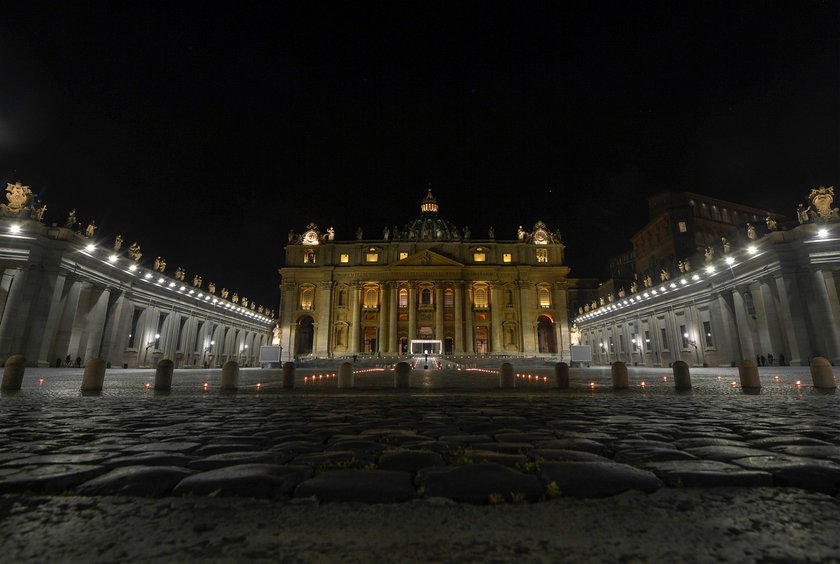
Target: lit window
[
  {"x": 371, "y": 297},
  {"x": 506, "y": 257},
  {"x": 544, "y": 297},
  {"x": 306, "y": 295},
  {"x": 372, "y": 257},
  {"x": 479, "y": 257},
  {"x": 309, "y": 257},
  {"x": 449, "y": 298},
  {"x": 542, "y": 255},
  {"x": 345, "y": 258},
  {"x": 683, "y": 227},
  {"x": 426, "y": 296},
  {"x": 403, "y": 255},
  {"x": 403, "y": 298},
  {"x": 707, "y": 333},
  {"x": 480, "y": 297}
]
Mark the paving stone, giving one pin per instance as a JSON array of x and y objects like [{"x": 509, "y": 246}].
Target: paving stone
[
  {"x": 174, "y": 446},
  {"x": 466, "y": 439},
  {"x": 334, "y": 457},
  {"x": 357, "y": 445},
  {"x": 475, "y": 483},
  {"x": 637, "y": 455},
  {"x": 568, "y": 455},
  {"x": 85, "y": 458},
  {"x": 524, "y": 437},
  {"x": 505, "y": 447},
  {"x": 479, "y": 455},
  {"x": 211, "y": 449},
  {"x": 829, "y": 452},
  {"x": 597, "y": 479},
  {"x": 795, "y": 471},
  {"x": 233, "y": 458},
  {"x": 708, "y": 441},
  {"x": 294, "y": 448},
  {"x": 434, "y": 446},
  {"x": 575, "y": 444},
  {"x": 642, "y": 443},
  {"x": 707, "y": 474},
  {"x": 409, "y": 461},
  {"x": 46, "y": 478},
  {"x": 248, "y": 480},
  {"x": 725, "y": 453},
  {"x": 149, "y": 459},
  {"x": 770, "y": 442},
  {"x": 144, "y": 481},
  {"x": 369, "y": 486}
]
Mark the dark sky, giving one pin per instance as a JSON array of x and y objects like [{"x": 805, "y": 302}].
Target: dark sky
[{"x": 207, "y": 131}]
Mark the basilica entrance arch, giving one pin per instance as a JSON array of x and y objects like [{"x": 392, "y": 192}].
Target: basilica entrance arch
[
  {"x": 305, "y": 335},
  {"x": 547, "y": 340}
]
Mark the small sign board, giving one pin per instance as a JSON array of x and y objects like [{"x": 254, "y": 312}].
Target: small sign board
[
  {"x": 270, "y": 354},
  {"x": 581, "y": 353}
]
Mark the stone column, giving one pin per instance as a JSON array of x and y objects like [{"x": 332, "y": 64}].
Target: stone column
[
  {"x": 412, "y": 313},
  {"x": 355, "y": 319},
  {"x": 97, "y": 325},
  {"x": 496, "y": 309},
  {"x": 322, "y": 328},
  {"x": 15, "y": 314},
  {"x": 826, "y": 326},
  {"x": 724, "y": 339},
  {"x": 381, "y": 339},
  {"x": 745, "y": 340},
  {"x": 458, "y": 343},
  {"x": 68, "y": 319},
  {"x": 289, "y": 302},
  {"x": 439, "y": 313},
  {"x": 793, "y": 320},
  {"x": 776, "y": 342},
  {"x": 561, "y": 321},
  {"x": 469, "y": 325},
  {"x": 44, "y": 321},
  {"x": 393, "y": 320},
  {"x": 527, "y": 316}
]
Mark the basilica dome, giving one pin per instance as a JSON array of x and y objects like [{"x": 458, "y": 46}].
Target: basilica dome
[{"x": 429, "y": 226}]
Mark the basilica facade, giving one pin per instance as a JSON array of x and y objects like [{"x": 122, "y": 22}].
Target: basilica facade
[{"x": 427, "y": 287}]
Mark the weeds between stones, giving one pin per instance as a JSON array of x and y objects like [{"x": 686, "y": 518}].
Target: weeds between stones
[
  {"x": 553, "y": 490},
  {"x": 352, "y": 464}
]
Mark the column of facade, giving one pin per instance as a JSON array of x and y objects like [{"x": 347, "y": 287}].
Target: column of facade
[
  {"x": 412, "y": 314},
  {"x": 745, "y": 340},
  {"x": 355, "y": 317},
  {"x": 527, "y": 316},
  {"x": 14, "y": 314},
  {"x": 44, "y": 321},
  {"x": 393, "y": 320},
  {"x": 770, "y": 317},
  {"x": 382, "y": 338},
  {"x": 439, "y": 313},
  {"x": 725, "y": 341},
  {"x": 469, "y": 325},
  {"x": 458, "y": 344},
  {"x": 69, "y": 307},
  {"x": 827, "y": 327},
  {"x": 561, "y": 320},
  {"x": 97, "y": 325},
  {"x": 496, "y": 305},
  {"x": 792, "y": 318},
  {"x": 322, "y": 325},
  {"x": 288, "y": 327}
]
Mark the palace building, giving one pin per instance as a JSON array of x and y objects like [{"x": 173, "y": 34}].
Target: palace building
[{"x": 428, "y": 287}]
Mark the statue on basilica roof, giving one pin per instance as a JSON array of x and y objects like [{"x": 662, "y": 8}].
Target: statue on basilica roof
[
  {"x": 821, "y": 199},
  {"x": 134, "y": 251},
  {"x": 19, "y": 197}
]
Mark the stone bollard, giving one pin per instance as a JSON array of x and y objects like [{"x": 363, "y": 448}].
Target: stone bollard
[
  {"x": 94, "y": 375},
  {"x": 13, "y": 373},
  {"x": 821, "y": 374},
  {"x": 345, "y": 375},
  {"x": 561, "y": 374},
  {"x": 230, "y": 376},
  {"x": 402, "y": 373},
  {"x": 163, "y": 375},
  {"x": 289, "y": 375},
  {"x": 682, "y": 376},
  {"x": 620, "y": 379},
  {"x": 507, "y": 379},
  {"x": 748, "y": 371}
]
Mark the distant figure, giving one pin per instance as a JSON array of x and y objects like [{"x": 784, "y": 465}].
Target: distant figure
[
  {"x": 770, "y": 358},
  {"x": 354, "y": 358},
  {"x": 763, "y": 361},
  {"x": 67, "y": 360},
  {"x": 782, "y": 359},
  {"x": 78, "y": 362}
]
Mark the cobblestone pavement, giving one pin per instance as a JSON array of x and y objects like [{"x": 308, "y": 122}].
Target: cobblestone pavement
[{"x": 493, "y": 447}]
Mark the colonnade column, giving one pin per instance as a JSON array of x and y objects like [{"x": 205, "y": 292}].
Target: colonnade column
[
  {"x": 287, "y": 325},
  {"x": 744, "y": 333},
  {"x": 412, "y": 314},
  {"x": 776, "y": 342},
  {"x": 459, "y": 317},
  {"x": 322, "y": 326},
  {"x": 725, "y": 341},
  {"x": 469, "y": 323},
  {"x": 527, "y": 316},
  {"x": 97, "y": 325},
  {"x": 561, "y": 320},
  {"x": 14, "y": 314},
  {"x": 791, "y": 316},
  {"x": 382, "y": 338},
  {"x": 45, "y": 318},
  {"x": 355, "y": 317},
  {"x": 393, "y": 345},
  {"x": 496, "y": 317},
  {"x": 828, "y": 326},
  {"x": 439, "y": 314}
]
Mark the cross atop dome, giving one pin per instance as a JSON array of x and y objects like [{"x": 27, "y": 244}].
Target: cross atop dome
[{"x": 429, "y": 204}]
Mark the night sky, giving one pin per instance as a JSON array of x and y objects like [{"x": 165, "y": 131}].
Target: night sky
[{"x": 207, "y": 131}]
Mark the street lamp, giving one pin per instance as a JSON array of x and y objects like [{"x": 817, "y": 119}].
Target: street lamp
[
  {"x": 693, "y": 344},
  {"x": 150, "y": 343}
]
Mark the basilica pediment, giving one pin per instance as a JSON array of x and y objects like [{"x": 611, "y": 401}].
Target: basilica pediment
[{"x": 427, "y": 258}]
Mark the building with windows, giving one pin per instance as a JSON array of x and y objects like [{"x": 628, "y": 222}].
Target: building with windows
[
  {"x": 66, "y": 295},
  {"x": 771, "y": 294},
  {"x": 428, "y": 286}
]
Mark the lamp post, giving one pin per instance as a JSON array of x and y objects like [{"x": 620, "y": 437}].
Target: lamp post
[
  {"x": 693, "y": 344},
  {"x": 208, "y": 353}
]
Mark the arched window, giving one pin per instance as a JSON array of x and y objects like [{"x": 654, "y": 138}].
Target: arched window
[
  {"x": 307, "y": 295},
  {"x": 480, "y": 297},
  {"x": 403, "y": 297},
  {"x": 371, "y": 297},
  {"x": 342, "y": 297},
  {"x": 449, "y": 298},
  {"x": 544, "y": 297},
  {"x": 426, "y": 296}
]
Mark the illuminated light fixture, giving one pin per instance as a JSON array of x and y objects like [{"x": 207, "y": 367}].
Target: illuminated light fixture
[
  {"x": 206, "y": 297},
  {"x": 654, "y": 292},
  {"x": 823, "y": 233},
  {"x": 182, "y": 288},
  {"x": 730, "y": 260},
  {"x": 161, "y": 280},
  {"x": 215, "y": 301},
  {"x": 625, "y": 302},
  {"x": 15, "y": 228},
  {"x": 191, "y": 292},
  {"x": 710, "y": 269},
  {"x": 113, "y": 258},
  {"x": 695, "y": 277},
  {"x": 172, "y": 284},
  {"x": 674, "y": 285},
  {"x": 147, "y": 276},
  {"x": 684, "y": 281},
  {"x": 200, "y": 296},
  {"x": 133, "y": 267},
  {"x": 646, "y": 295},
  {"x": 752, "y": 250},
  {"x": 90, "y": 248}
]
